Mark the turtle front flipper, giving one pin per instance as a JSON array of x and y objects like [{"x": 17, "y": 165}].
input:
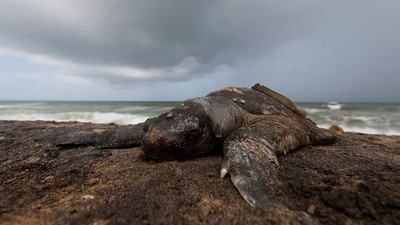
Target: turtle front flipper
[
  {"x": 250, "y": 156},
  {"x": 117, "y": 137}
]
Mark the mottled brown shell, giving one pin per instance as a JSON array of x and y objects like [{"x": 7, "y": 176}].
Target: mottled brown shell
[{"x": 260, "y": 100}]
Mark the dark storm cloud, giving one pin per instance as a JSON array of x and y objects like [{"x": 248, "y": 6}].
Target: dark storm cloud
[
  {"x": 149, "y": 34},
  {"x": 348, "y": 48}
]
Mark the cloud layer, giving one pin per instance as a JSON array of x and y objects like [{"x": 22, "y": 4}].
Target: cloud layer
[{"x": 326, "y": 49}]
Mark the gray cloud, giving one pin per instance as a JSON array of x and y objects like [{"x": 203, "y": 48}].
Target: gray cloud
[
  {"x": 149, "y": 34},
  {"x": 327, "y": 49}
]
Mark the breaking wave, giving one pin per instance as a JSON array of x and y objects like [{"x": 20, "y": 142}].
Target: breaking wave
[
  {"x": 334, "y": 105},
  {"x": 93, "y": 117},
  {"x": 94, "y": 112},
  {"x": 360, "y": 118}
]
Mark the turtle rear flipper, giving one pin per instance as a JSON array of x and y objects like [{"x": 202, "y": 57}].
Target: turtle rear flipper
[
  {"x": 320, "y": 136},
  {"x": 250, "y": 157},
  {"x": 280, "y": 98}
]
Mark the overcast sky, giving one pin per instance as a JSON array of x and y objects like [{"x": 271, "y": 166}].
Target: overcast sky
[{"x": 308, "y": 50}]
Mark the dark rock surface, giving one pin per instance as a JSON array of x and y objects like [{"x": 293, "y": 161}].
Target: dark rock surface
[{"x": 354, "y": 181}]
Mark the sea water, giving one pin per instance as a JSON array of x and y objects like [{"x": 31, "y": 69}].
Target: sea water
[
  {"x": 95, "y": 112},
  {"x": 372, "y": 118}
]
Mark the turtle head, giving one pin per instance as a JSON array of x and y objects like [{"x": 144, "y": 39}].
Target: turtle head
[{"x": 177, "y": 134}]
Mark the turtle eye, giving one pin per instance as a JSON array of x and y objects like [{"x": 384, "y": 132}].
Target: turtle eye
[
  {"x": 202, "y": 125},
  {"x": 194, "y": 133}
]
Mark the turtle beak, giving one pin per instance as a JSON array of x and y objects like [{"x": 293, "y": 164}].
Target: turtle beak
[{"x": 159, "y": 146}]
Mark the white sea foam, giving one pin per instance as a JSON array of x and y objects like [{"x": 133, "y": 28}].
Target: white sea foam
[
  {"x": 372, "y": 118},
  {"x": 314, "y": 110},
  {"x": 334, "y": 106},
  {"x": 94, "y": 117},
  {"x": 365, "y": 130}
]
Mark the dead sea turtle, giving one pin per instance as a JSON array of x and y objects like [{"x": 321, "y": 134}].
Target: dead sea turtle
[{"x": 251, "y": 125}]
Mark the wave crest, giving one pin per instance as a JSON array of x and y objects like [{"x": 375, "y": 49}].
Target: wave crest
[{"x": 93, "y": 117}]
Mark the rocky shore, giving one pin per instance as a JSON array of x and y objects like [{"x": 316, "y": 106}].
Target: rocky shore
[{"x": 354, "y": 181}]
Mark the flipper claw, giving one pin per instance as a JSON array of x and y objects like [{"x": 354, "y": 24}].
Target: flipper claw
[{"x": 224, "y": 172}]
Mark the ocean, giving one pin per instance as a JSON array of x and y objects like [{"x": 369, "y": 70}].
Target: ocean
[{"x": 371, "y": 118}]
